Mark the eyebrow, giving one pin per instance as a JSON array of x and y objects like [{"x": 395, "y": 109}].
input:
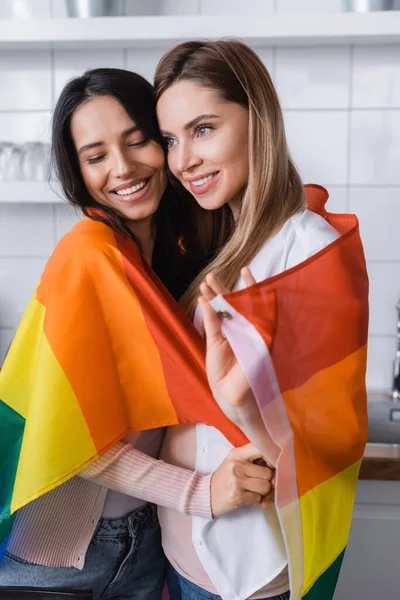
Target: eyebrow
[
  {"x": 96, "y": 144},
  {"x": 194, "y": 122}
]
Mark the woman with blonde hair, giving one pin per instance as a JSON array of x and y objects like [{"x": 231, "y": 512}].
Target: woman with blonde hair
[{"x": 221, "y": 118}]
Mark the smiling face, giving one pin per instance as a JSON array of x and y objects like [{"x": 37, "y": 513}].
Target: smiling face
[
  {"x": 120, "y": 167},
  {"x": 207, "y": 143}
]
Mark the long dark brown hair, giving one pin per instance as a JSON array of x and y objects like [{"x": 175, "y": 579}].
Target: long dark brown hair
[{"x": 178, "y": 254}]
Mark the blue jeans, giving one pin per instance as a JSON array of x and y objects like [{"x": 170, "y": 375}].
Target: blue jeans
[
  {"x": 180, "y": 588},
  {"x": 124, "y": 561}
]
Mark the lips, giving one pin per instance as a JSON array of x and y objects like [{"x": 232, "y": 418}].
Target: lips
[
  {"x": 130, "y": 193},
  {"x": 201, "y": 181},
  {"x": 203, "y": 184},
  {"x": 131, "y": 187}
]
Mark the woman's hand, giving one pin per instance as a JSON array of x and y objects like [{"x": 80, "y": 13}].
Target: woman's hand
[
  {"x": 228, "y": 382},
  {"x": 238, "y": 482}
]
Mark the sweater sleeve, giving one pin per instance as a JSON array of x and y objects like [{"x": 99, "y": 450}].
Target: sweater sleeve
[{"x": 129, "y": 471}]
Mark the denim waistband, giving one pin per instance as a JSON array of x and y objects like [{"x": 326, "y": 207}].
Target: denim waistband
[{"x": 123, "y": 525}]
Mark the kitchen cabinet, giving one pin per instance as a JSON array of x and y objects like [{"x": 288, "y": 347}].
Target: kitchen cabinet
[{"x": 371, "y": 568}]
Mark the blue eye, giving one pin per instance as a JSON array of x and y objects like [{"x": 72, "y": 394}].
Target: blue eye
[
  {"x": 170, "y": 142},
  {"x": 204, "y": 129}
]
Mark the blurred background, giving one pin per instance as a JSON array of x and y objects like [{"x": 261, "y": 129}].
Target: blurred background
[
  {"x": 336, "y": 66},
  {"x": 342, "y": 114},
  {"x": 342, "y": 111}
]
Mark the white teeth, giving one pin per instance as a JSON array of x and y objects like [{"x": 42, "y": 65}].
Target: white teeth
[
  {"x": 202, "y": 180},
  {"x": 131, "y": 190}
]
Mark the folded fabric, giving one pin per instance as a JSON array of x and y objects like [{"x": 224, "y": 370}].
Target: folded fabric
[
  {"x": 102, "y": 350},
  {"x": 305, "y": 358}
]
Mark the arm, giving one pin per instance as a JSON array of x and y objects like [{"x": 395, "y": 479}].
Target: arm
[
  {"x": 236, "y": 482},
  {"x": 129, "y": 471}
]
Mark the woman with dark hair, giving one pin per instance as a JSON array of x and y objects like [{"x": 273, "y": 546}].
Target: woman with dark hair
[
  {"x": 99, "y": 529},
  {"x": 135, "y": 96}
]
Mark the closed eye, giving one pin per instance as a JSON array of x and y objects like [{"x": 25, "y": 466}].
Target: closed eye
[
  {"x": 139, "y": 144},
  {"x": 95, "y": 159}
]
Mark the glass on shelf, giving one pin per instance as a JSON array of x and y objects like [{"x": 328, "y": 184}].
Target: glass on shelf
[
  {"x": 10, "y": 161},
  {"x": 5, "y": 151},
  {"x": 35, "y": 161},
  {"x": 24, "y": 162}
]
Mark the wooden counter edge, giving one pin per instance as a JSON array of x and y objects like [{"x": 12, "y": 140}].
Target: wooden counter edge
[{"x": 380, "y": 469}]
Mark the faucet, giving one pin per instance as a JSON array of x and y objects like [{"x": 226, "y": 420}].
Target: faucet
[{"x": 396, "y": 362}]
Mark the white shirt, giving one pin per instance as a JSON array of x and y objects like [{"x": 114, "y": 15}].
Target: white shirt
[{"x": 243, "y": 551}]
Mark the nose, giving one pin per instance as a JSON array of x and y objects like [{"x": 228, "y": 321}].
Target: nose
[
  {"x": 187, "y": 158},
  {"x": 123, "y": 165}
]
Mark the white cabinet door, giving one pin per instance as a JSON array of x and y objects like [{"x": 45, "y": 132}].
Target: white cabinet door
[{"x": 371, "y": 567}]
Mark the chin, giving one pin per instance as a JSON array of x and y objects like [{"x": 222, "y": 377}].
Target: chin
[
  {"x": 137, "y": 212},
  {"x": 211, "y": 203},
  {"x": 139, "y": 215}
]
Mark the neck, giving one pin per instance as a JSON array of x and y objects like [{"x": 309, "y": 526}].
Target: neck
[
  {"x": 144, "y": 232},
  {"x": 236, "y": 204}
]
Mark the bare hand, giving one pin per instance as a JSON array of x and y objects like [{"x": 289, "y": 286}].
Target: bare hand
[
  {"x": 238, "y": 482},
  {"x": 228, "y": 382}
]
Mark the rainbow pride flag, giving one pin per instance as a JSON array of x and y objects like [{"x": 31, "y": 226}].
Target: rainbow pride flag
[
  {"x": 310, "y": 333},
  {"x": 103, "y": 350}
]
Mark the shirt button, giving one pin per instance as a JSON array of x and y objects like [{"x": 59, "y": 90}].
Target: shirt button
[
  {"x": 224, "y": 314},
  {"x": 202, "y": 449},
  {"x": 200, "y": 543}
]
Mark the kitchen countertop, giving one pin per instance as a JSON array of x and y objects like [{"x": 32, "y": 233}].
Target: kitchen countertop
[{"x": 381, "y": 462}]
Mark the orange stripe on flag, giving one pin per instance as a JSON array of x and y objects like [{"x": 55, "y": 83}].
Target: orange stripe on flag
[
  {"x": 190, "y": 391},
  {"x": 118, "y": 363},
  {"x": 331, "y": 407},
  {"x": 311, "y": 310}
]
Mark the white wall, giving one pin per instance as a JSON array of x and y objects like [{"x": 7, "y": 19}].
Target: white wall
[{"x": 342, "y": 114}]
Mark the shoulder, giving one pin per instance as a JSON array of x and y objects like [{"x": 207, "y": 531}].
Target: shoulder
[
  {"x": 312, "y": 231},
  {"x": 79, "y": 248},
  {"x": 87, "y": 234},
  {"x": 302, "y": 235},
  {"x": 309, "y": 233}
]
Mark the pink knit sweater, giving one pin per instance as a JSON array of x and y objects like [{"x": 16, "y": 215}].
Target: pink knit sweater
[{"x": 56, "y": 529}]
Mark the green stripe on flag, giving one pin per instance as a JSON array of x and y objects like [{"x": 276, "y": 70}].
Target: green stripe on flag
[
  {"x": 12, "y": 427},
  {"x": 5, "y": 530},
  {"x": 324, "y": 587}
]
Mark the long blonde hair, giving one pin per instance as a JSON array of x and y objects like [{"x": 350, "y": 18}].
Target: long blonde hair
[{"x": 274, "y": 190}]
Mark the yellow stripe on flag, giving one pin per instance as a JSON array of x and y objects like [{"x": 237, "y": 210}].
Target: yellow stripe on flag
[
  {"x": 22, "y": 353},
  {"x": 59, "y": 425},
  {"x": 330, "y": 504}
]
